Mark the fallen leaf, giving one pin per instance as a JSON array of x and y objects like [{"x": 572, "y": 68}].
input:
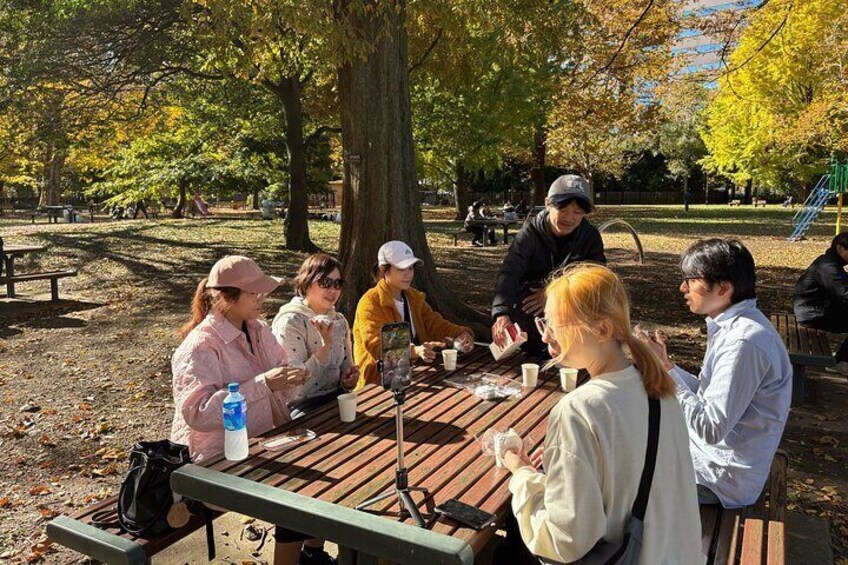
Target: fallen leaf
[
  {"x": 46, "y": 441},
  {"x": 39, "y": 490},
  {"x": 4, "y": 502}
]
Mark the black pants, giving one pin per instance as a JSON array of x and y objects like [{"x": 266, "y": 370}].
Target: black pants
[
  {"x": 835, "y": 320},
  {"x": 513, "y": 551},
  {"x": 480, "y": 233}
]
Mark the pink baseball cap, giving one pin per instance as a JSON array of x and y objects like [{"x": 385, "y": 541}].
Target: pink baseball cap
[{"x": 242, "y": 273}]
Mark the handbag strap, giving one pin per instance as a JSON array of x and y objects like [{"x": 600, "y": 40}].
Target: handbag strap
[{"x": 640, "y": 505}]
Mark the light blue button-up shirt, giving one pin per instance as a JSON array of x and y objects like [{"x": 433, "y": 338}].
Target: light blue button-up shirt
[{"x": 737, "y": 407}]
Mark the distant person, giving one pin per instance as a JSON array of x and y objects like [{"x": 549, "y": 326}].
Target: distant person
[
  {"x": 201, "y": 205},
  {"x": 226, "y": 342},
  {"x": 821, "y": 296},
  {"x": 475, "y": 215},
  {"x": 509, "y": 213},
  {"x": 140, "y": 206},
  {"x": 789, "y": 202},
  {"x": 315, "y": 336},
  {"x": 521, "y": 208},
  {"x": 557, "y": 237},
  {"x": 736, "y": 408},
  {"x": 393, "y": 300},
  {"x": 597, "y": 440}
]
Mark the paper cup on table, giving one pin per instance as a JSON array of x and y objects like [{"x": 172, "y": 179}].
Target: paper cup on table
[
  {"x": 530, "y": 374},
  {"x": 347, "y": 407},
  {"x": 449, "y": 358},
  {"x": 568, "y": 379}
]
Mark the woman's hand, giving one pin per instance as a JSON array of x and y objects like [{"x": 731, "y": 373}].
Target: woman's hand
[
  {"x": 324, "y": 330},
  {"x": 657, "y": 343},
  {"x": 426, "y": 352},
  {"x": 536, "y": 458},
  {"x": 282, "y": 378},
  {"x": 514, "y": 460},
  {"x": 350, "y": 377},
  {"x": 464, "y": 342}
]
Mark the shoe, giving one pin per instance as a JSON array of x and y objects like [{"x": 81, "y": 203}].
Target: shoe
[
  {"x": 477, "y": 244},
  {"x": 315, "y": 556},
  {"x": 840, "y": 368}
]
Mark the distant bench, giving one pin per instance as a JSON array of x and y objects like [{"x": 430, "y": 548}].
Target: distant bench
[
  {"x": 759, "y": 202},
  {"x": 807, "y": 348},
  {"x": 735, "y": 203},
  {"x": 752, "y": 535}
]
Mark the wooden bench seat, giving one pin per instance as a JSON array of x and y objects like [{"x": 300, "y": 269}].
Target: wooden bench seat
[
  {"x": 752, "y": 535},
  {"x": 459, "y": 232},
  {"x": 53, "y": 276},
  {"x": 807, "y": 347}
]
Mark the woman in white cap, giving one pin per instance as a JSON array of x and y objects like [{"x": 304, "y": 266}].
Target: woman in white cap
[
  {"x": 225, "y": 342},
  {"x": 394, "y": 300}
]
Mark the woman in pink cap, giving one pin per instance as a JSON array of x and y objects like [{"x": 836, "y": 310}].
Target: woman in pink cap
[{"x": 225, "y": 342}]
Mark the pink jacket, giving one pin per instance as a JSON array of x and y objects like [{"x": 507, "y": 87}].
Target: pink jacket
[{"x": 214, "y": 354}]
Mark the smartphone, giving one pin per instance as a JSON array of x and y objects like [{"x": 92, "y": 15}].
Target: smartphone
[
  {"x": 394, "y": 356},
  {"x": 466, "y": 514}
]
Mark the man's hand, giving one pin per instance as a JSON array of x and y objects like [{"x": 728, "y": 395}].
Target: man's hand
[
  {"x": 499, "y": 329},
  {"x": 534, "y": 303},
  {"x": 657, "y": 343},
  {"x": 426, "y": 351},
  {"x": 282, "y": 378}
]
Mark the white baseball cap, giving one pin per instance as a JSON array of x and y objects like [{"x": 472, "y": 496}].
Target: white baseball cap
[{"x": 397, "y": 254}]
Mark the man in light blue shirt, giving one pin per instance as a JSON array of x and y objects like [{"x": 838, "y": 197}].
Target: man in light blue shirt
[{"x": 736, "y": 408}]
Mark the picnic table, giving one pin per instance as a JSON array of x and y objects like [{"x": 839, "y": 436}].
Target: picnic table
[
  {"x": 10, "y": 253},
  {"x": 496, "y": 222},
  {"x": 349, "y": 463}
]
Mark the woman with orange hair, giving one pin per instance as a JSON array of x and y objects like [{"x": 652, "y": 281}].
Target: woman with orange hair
[{"x": 597, "y": 441}]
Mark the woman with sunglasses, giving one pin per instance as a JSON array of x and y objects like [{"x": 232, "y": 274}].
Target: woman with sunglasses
[
  {"x": 315, "y": 336},
  {"x": 393, "y": 300}
]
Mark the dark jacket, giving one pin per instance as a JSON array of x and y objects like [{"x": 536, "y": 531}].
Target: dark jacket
[
  {"x": 822, "y": 290},
  {"x": 535, "y": 253}
]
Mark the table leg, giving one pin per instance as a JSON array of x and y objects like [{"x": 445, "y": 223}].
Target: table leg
[
  {"x": 10, "y": 272},
  {"x": 506, "y": 234}
]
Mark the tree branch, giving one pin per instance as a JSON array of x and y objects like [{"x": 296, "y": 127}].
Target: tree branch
[
  {"x": 315, "y": 135},
  {"x": 429, "y": 51}
]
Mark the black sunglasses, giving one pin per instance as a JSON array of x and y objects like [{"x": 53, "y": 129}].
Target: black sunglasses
[{"x": 327, "y": 282}]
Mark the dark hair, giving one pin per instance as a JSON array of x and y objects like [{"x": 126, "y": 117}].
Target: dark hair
[
  {"x": 841, "y": 239},
  {"x": 204, "y": 300},
  {"x": 584, "y": 205},
  {"x": 315, "y": 267},
  {"x": 379, "y": 271},
  {"x": 722, "y": 260}
]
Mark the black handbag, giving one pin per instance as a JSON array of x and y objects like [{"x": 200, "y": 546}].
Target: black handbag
[
  {"x": 146, "y": 495},
  {"x": 146, "y": 498}
]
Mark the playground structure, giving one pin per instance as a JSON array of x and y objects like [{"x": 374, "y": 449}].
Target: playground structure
[{"x": 832, "y": 183}]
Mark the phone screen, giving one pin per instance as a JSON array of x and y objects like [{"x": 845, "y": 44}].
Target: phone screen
[
  {"x": 466, "y": 514},
  {"x": 397, "y": 367}
]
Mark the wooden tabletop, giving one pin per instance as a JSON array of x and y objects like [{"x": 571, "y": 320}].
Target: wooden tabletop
[
  {"x": 22, "y": 249},
  {"x": 349, "y": 463}
]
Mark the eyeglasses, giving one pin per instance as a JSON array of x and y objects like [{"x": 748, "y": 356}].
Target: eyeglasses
[
  {"x": 687, "y": 279},
  {"x": 544, "y": 325},
  {"x": 327, "y": 282}
]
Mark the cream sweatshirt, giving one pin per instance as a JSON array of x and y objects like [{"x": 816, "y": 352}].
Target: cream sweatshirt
[{"x": 593, "y": 459}]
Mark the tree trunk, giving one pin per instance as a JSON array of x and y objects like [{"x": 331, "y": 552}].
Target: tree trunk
[
  {"x": 748, "y": 184},
  {"x": 256, "y": 198},
  {"x": 381, "y": 195},
  {"x": 297, "y": 217},
  {"x": 537, "y": 174},
  {"x": 54, "y": 164},
  {"x": 179, "y": 209},
  {"x": 461, "y": 191}
]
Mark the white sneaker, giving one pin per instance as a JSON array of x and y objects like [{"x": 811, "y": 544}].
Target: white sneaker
[{"x": 840, "y": 368}]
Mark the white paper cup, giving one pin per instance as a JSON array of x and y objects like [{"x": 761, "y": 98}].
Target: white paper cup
[
  {"x": 347, "y": 407},
  {"x": 449, "y": 358},
  {"x": 530, "y": 374},
  {"x": 568, "y": 379}
]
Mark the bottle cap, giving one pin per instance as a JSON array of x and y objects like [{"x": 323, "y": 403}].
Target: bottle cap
[{"x": 233, "y": 387}]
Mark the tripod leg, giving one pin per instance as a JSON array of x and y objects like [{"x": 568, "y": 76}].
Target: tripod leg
[
  {"x": 375, "y": 500},
  {"x": 409, "y": 504}
]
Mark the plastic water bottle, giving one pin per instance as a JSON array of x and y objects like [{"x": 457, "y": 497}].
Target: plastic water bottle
[{"x": 235, "y": 424}]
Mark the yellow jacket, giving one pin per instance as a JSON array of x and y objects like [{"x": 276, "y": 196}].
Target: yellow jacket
[{"x": 377, "y": 308}]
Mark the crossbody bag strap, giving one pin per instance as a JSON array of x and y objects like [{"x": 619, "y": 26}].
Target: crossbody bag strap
[{"x": 640, "y": 505}]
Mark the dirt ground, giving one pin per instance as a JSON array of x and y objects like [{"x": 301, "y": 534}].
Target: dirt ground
[{"x": 82, "y": 379}]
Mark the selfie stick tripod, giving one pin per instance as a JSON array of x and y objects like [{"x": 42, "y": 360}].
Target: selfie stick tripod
[{"x": 402, "y": 488}]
